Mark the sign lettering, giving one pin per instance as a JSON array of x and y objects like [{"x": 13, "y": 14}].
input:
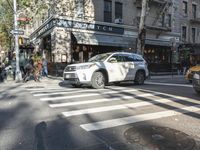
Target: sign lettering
[{"x": 78, "y": 25}]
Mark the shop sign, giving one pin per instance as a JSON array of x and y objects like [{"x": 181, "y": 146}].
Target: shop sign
[
  {"x": 88, "y": 26},
  {"x": 79, "y": 25}
]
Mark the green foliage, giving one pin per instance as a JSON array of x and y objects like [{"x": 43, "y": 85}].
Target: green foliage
[{"x": 6, "y": 25}]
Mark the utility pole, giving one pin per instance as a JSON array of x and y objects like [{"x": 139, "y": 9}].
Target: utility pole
[
  {"x": 18, "y": 75},
  {"x": 142, "y": 30}
]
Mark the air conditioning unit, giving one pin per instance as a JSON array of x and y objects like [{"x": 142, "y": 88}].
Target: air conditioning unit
[{"x": 119, "y": 21}]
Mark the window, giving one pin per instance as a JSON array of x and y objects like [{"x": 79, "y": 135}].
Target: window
[
  {"x": 194, "y": 11},
  {"x": 79, "y": 8},
  {"x": 184, "y": 33},
  {"x": 193, "y": 35},
  {"x": 185, "y": 7},
  {"x": 169, "y": 20},
  {"x": 107, "y": 11},
  {"x": 163, "y": 20},
  {"x": 118, "y": 10}
]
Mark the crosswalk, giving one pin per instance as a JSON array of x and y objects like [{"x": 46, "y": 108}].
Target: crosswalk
[{"x": 113, "y": 106}]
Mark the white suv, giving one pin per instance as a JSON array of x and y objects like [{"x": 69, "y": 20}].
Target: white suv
[{"x": 106, "y": 68}]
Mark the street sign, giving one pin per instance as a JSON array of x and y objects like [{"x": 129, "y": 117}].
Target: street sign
[{"x": 17, "y": 32}]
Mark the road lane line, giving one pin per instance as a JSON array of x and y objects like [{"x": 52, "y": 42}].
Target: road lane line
[
  {"x": 53, "y": 90},
  {"x": 168, "y": 84},
  {"x": 76, "y": 91},
  {"x": 84, "y": 95},
  {"x": 41, "y": 89},
  {"x": 99, "y": 100},
  {"x": 138, "y": 118},
  {"x": 117, "y": 107}
]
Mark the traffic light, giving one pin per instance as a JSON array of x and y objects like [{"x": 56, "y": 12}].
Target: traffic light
[{"x": 20, "y": 41}]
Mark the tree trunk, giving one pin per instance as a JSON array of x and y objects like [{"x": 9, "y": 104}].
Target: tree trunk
[{"x": 142, "y": 30}]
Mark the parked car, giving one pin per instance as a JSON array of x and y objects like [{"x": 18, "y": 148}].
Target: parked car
[
  {"x": 106, "y": 68},
  {"x": 191, "y": 71},
  {"x": 196, "y": 82}
]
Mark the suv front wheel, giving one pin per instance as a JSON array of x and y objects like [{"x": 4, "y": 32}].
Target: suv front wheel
[
  {"x": 98, "y": 80},
  {"x": 139, "y": 78}
]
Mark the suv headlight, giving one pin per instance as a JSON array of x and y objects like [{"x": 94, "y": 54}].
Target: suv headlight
[{"x": 84, "y": 67}]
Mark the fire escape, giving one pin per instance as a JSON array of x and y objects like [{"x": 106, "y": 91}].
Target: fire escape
[{"x": 158, "y": 23}]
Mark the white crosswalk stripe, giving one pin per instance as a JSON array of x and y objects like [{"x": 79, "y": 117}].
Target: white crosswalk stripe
[
  {"x": 116, "y": 107},
  {"x": 83, "y": 95},
  {"x": 139, "y": 118},
  {"x": 110, "y": 100},
  {"x": 72, "y": 91},
  {"x": 98, "y": 100}
]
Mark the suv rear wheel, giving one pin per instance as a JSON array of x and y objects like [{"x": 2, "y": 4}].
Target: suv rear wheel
[
  {"x": 139, "y": 78},
  {"x": 98, "y": 80}
]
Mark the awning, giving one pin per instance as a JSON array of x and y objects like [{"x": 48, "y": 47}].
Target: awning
[
  {"x": 193, "y": 48},
  {"x": 104, "y": 40},
  {"x": 157, "y": 42}
]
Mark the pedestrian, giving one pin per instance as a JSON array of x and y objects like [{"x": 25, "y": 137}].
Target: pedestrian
[
  {"x": 184, "y": 65},
  {"x": 1, "y": 73},
  {"x": 28, "y": 70},
  {"x": 179, "y": 68},
  {"x": 44, "y": 67},
  {"x": 37, "y": 68}
]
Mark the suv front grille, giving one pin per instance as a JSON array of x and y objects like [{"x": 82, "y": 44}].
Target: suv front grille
[{"x": 70, "y": 68}]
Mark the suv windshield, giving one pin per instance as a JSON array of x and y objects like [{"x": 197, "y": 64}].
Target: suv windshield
[{"x": 100, "y": 57}]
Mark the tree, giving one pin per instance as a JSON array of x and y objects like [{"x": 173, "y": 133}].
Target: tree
[
  {"x": 6, "y": 19},
  {"x": 142, "y": 30}
]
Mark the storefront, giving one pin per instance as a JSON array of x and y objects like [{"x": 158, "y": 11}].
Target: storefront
[
  {"x": 159, "y": 55},
  {"x": 190, "y": 52}
]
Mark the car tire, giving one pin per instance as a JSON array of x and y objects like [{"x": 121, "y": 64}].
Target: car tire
[
  {"x": 117, "y": 83},
  {"x": 98, "y": 80},
  {"x": 139, "y": 78},
  {"x": 76, "y": 85},
  {"x": 197, "y": 91}
]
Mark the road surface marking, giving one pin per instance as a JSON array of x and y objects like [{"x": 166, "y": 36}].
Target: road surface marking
[
  {"x": 99, "y": 100},
  {"x": 84, "y": 95},
  {"x": 117, "y": 107},
  {"x": 168, "y": 84},
  {"x": 138, "y": 118},
  {"x": 76, "y": 91}
]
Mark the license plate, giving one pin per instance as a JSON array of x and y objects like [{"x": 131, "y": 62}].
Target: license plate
[{"x": 67, "y": 76}]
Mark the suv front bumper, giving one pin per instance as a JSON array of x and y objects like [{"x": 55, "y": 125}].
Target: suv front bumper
[{"x": 74, "y": 78}]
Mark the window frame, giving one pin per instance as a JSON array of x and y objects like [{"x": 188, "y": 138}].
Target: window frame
[
  {"x": 194, "y": 11},
  {"x": 184, "y": 34},
  {"x": 193, "y": 34},
  {"x": 107, "y": 12},
  {"x": 118, "y": 14},
  {"x": 185, "y": 7}
]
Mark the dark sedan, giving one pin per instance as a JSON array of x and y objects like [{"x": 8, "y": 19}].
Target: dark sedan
[{"x": 196, "y": 82}]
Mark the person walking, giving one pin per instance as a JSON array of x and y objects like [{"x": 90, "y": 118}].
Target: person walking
[
  {"x": 1, "y": 73},
  {"x": 37, "y": 68},
  {"x": 44, "y": 67},
  {"x": 184, "y": 65}
]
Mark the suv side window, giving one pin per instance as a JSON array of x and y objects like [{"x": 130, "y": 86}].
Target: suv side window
[
  {"x": 137, "y": 58},
  {"x": 129, "y": 58},
  {"x": 119, "y": 58}
]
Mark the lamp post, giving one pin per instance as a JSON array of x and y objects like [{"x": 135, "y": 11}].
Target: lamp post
[{"x": 18, "y": 75}]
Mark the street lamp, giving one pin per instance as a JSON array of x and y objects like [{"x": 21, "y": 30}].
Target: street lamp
[{"x": 18, "y": 75}]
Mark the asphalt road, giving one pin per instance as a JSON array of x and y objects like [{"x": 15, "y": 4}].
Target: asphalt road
[{"x": 52, "y": 116}]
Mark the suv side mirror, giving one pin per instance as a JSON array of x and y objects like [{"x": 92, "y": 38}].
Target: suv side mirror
[{"x": 112, "y": 60}]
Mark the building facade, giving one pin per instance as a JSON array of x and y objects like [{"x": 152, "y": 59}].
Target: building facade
[
  {"x": 190, "y": 31},
  {"x": 75, "y": 30}
]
